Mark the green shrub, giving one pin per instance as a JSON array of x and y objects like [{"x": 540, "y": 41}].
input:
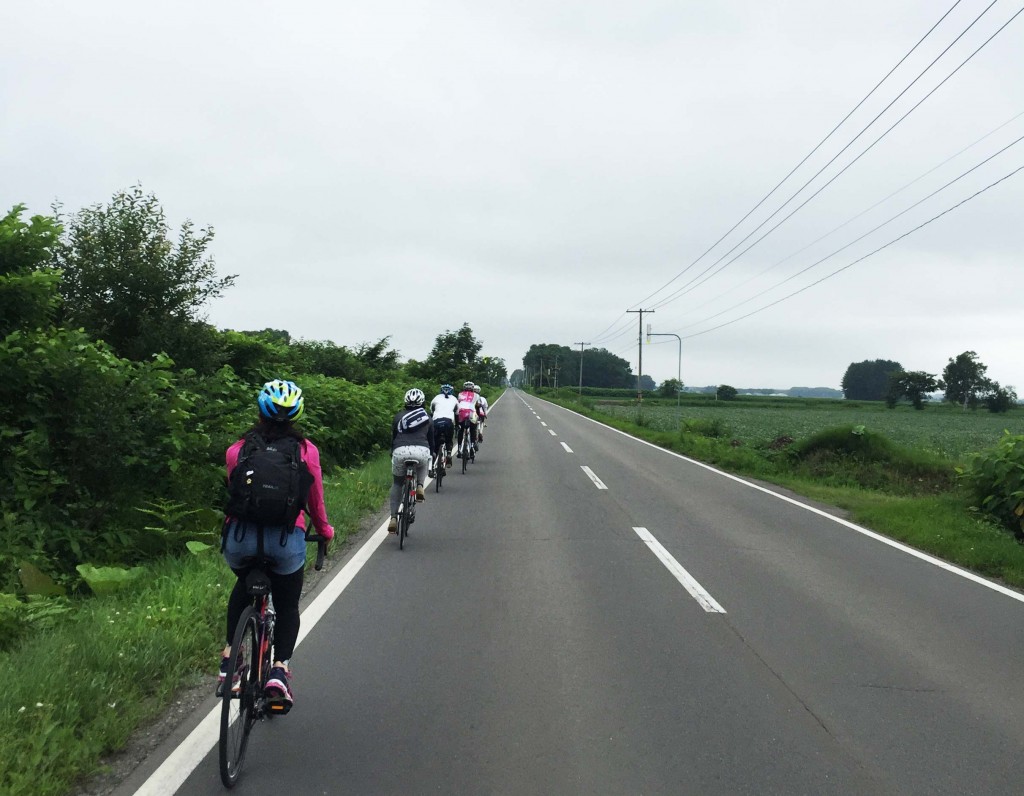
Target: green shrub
[
  {"x": 997, "y": 481},
  {"x": 713, "y": 427},
  {"x": 854, "y": 456}
]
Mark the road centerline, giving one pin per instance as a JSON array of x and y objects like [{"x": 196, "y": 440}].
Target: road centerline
[
  {"x": 593, "y": 477},
  {"x": 698, "y": 592}
]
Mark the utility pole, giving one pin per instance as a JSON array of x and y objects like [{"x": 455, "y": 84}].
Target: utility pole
[
  {"x": 581, "y": 365},
  {"x": 640, "y": 350},
  {"x": 555, "y": 369}
]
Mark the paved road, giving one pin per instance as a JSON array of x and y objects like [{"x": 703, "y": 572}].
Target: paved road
[{"x": 531, "y": 640}]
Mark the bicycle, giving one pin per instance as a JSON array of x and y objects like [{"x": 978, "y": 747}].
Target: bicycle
[
  {"x": 407, "y": 511},
  {"x": 244, "y": 701},
  {"x": 466, "y": 451},
  {"x": 439, "y": 467}
]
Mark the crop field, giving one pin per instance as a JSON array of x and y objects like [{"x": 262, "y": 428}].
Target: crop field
[{"x": 945, "y": 430}]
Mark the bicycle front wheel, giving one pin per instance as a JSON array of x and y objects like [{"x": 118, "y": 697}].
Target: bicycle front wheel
[{"x": 241, "y": 690}]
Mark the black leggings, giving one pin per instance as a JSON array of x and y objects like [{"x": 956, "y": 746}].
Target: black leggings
[{"x": 286, "y": 590}]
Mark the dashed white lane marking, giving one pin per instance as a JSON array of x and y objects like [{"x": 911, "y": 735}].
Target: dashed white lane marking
[
  {"x": 544, "y": 424},
  {"x": 698, "y": 592},
  {"x": 590, "y": 474},
  {"x": 567, "y": 448},
  {"x": 552, "y": 433},
  {"x": 936, "y": 562}
]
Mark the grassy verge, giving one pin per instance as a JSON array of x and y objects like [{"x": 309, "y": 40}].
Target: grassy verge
[
  {"x": 78, "y": 691},
  {"x": 936, "y": 519}
]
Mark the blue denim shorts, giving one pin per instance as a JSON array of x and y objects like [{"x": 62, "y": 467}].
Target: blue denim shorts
[{"x": 287, "y": 559}]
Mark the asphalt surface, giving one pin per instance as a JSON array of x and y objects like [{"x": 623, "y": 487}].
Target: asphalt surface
[{"x": 529, "y": 641}]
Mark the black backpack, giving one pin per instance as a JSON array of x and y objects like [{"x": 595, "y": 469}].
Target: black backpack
[{"x": 270, "y": 483}]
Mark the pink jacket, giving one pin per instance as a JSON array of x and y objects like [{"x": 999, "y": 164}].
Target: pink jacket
[{"x": 315, "y": 499}]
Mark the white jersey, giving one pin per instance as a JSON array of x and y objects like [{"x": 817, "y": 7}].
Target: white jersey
[
  {"x": 483, "y": 405},
  {"x": 444, "y": 407}
]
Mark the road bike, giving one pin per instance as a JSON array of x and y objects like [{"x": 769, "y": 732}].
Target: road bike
[
  {"x": 439, "y": 467},
  {"x": 407, "y": 511},
  {"x": 244, "y": 701},
  {"x": 466, "y": 452}
]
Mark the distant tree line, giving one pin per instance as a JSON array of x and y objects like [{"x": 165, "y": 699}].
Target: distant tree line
[
  {"x": 550, "y": 365},
  {"x": 963, "y": 381}
]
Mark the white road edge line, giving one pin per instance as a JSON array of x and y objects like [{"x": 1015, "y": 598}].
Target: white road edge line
[
  {"x": 590, "y": 474},
  {"x": 186, "y": 757},
  {"x": 698, "y": 592},
  {"x": 938, "y": 562},
  {"x": 567, "y": 448}
]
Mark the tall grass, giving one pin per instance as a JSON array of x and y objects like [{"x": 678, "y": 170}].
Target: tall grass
[{"x": 77, "y": 692}]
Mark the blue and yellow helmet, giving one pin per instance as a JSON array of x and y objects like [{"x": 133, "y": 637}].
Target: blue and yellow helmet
[{"x": 281, "y": 400}]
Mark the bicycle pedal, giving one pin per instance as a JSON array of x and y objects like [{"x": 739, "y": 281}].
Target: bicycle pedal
[{"x": 279, "y": 708}]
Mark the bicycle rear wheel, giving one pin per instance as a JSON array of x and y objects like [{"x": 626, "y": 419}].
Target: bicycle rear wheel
[
  {"x": 406, "y": 516},
  {"x": 439, "y": 470},
  {"x": 241, "y": 690}
]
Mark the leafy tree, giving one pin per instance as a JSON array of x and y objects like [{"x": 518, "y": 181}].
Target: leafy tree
[
  {"x": 491, "y": 370},
  {"x": 869, "y": 380},
  {"x": 965, "y": 380},
  {"x": 601, "y": 368},
  {"x": 277, "y": 335},
  {"x": 647, "y": 383},
  {"x": 726, "y": 393},
  {"x": 669, "y": 388},
  {"x": 913, "y": 385},
  {"x": 999, "y": 399},
  {"x": 29, "y": 296},
  {"x": 455, "y": 358},
  {"x": 126, "y": 283}
]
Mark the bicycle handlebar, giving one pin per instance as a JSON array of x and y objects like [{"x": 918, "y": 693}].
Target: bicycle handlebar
[{"x": 321, "y": 547}]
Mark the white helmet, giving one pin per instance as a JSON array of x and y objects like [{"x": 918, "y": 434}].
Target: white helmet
[
  {"x": 467, "y": 385},
  {"x": 414, "y": 397},
  {"x": 476, "y": 388}
]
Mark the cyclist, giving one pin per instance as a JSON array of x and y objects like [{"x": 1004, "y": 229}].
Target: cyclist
[
  {"x": 412, "y": 437},
  {"x": 442, "y": 412},
  {"x": 482, "y": 411},
  {"x": 469, "y": 405},
  {"x": 280, "y": 404}
]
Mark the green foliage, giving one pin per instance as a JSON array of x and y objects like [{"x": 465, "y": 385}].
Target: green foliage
[
  {"x": 913, "y": 385},
  {"x": 347, "y": 421},
  {"x": 18, "y": 619},
  {"x": 996, "y": 479},
  {"x": 107, "y": 580},
  {"x": 714, "y": 427},
  {"x": 964, "y": 379},
  {"x": 29, "y": 295},
  {"x": 869, "y": 380},
  {"x": 726, "y": 393},
  {"x": 547, "y": 362},
  {"x": 1000, "y": 399},
  {"x": 126, "y": 282},
  {"x": 86, "y": 437},
  {"x": 669, "y": 388}
]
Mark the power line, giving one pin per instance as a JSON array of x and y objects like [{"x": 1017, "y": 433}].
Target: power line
[
  {"x": 809, "y": 154},
  {"x": 861, "y": 213},
  {"x": 859, "y": 259},
  {"x": 682, "y": 290},
  {"x": 857, "y": 240}
]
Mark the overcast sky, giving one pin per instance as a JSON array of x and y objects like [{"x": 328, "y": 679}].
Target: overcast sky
[{"x": 536, "y": 168}]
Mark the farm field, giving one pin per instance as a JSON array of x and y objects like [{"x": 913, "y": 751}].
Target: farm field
[{"x": 943, "y": 430}]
